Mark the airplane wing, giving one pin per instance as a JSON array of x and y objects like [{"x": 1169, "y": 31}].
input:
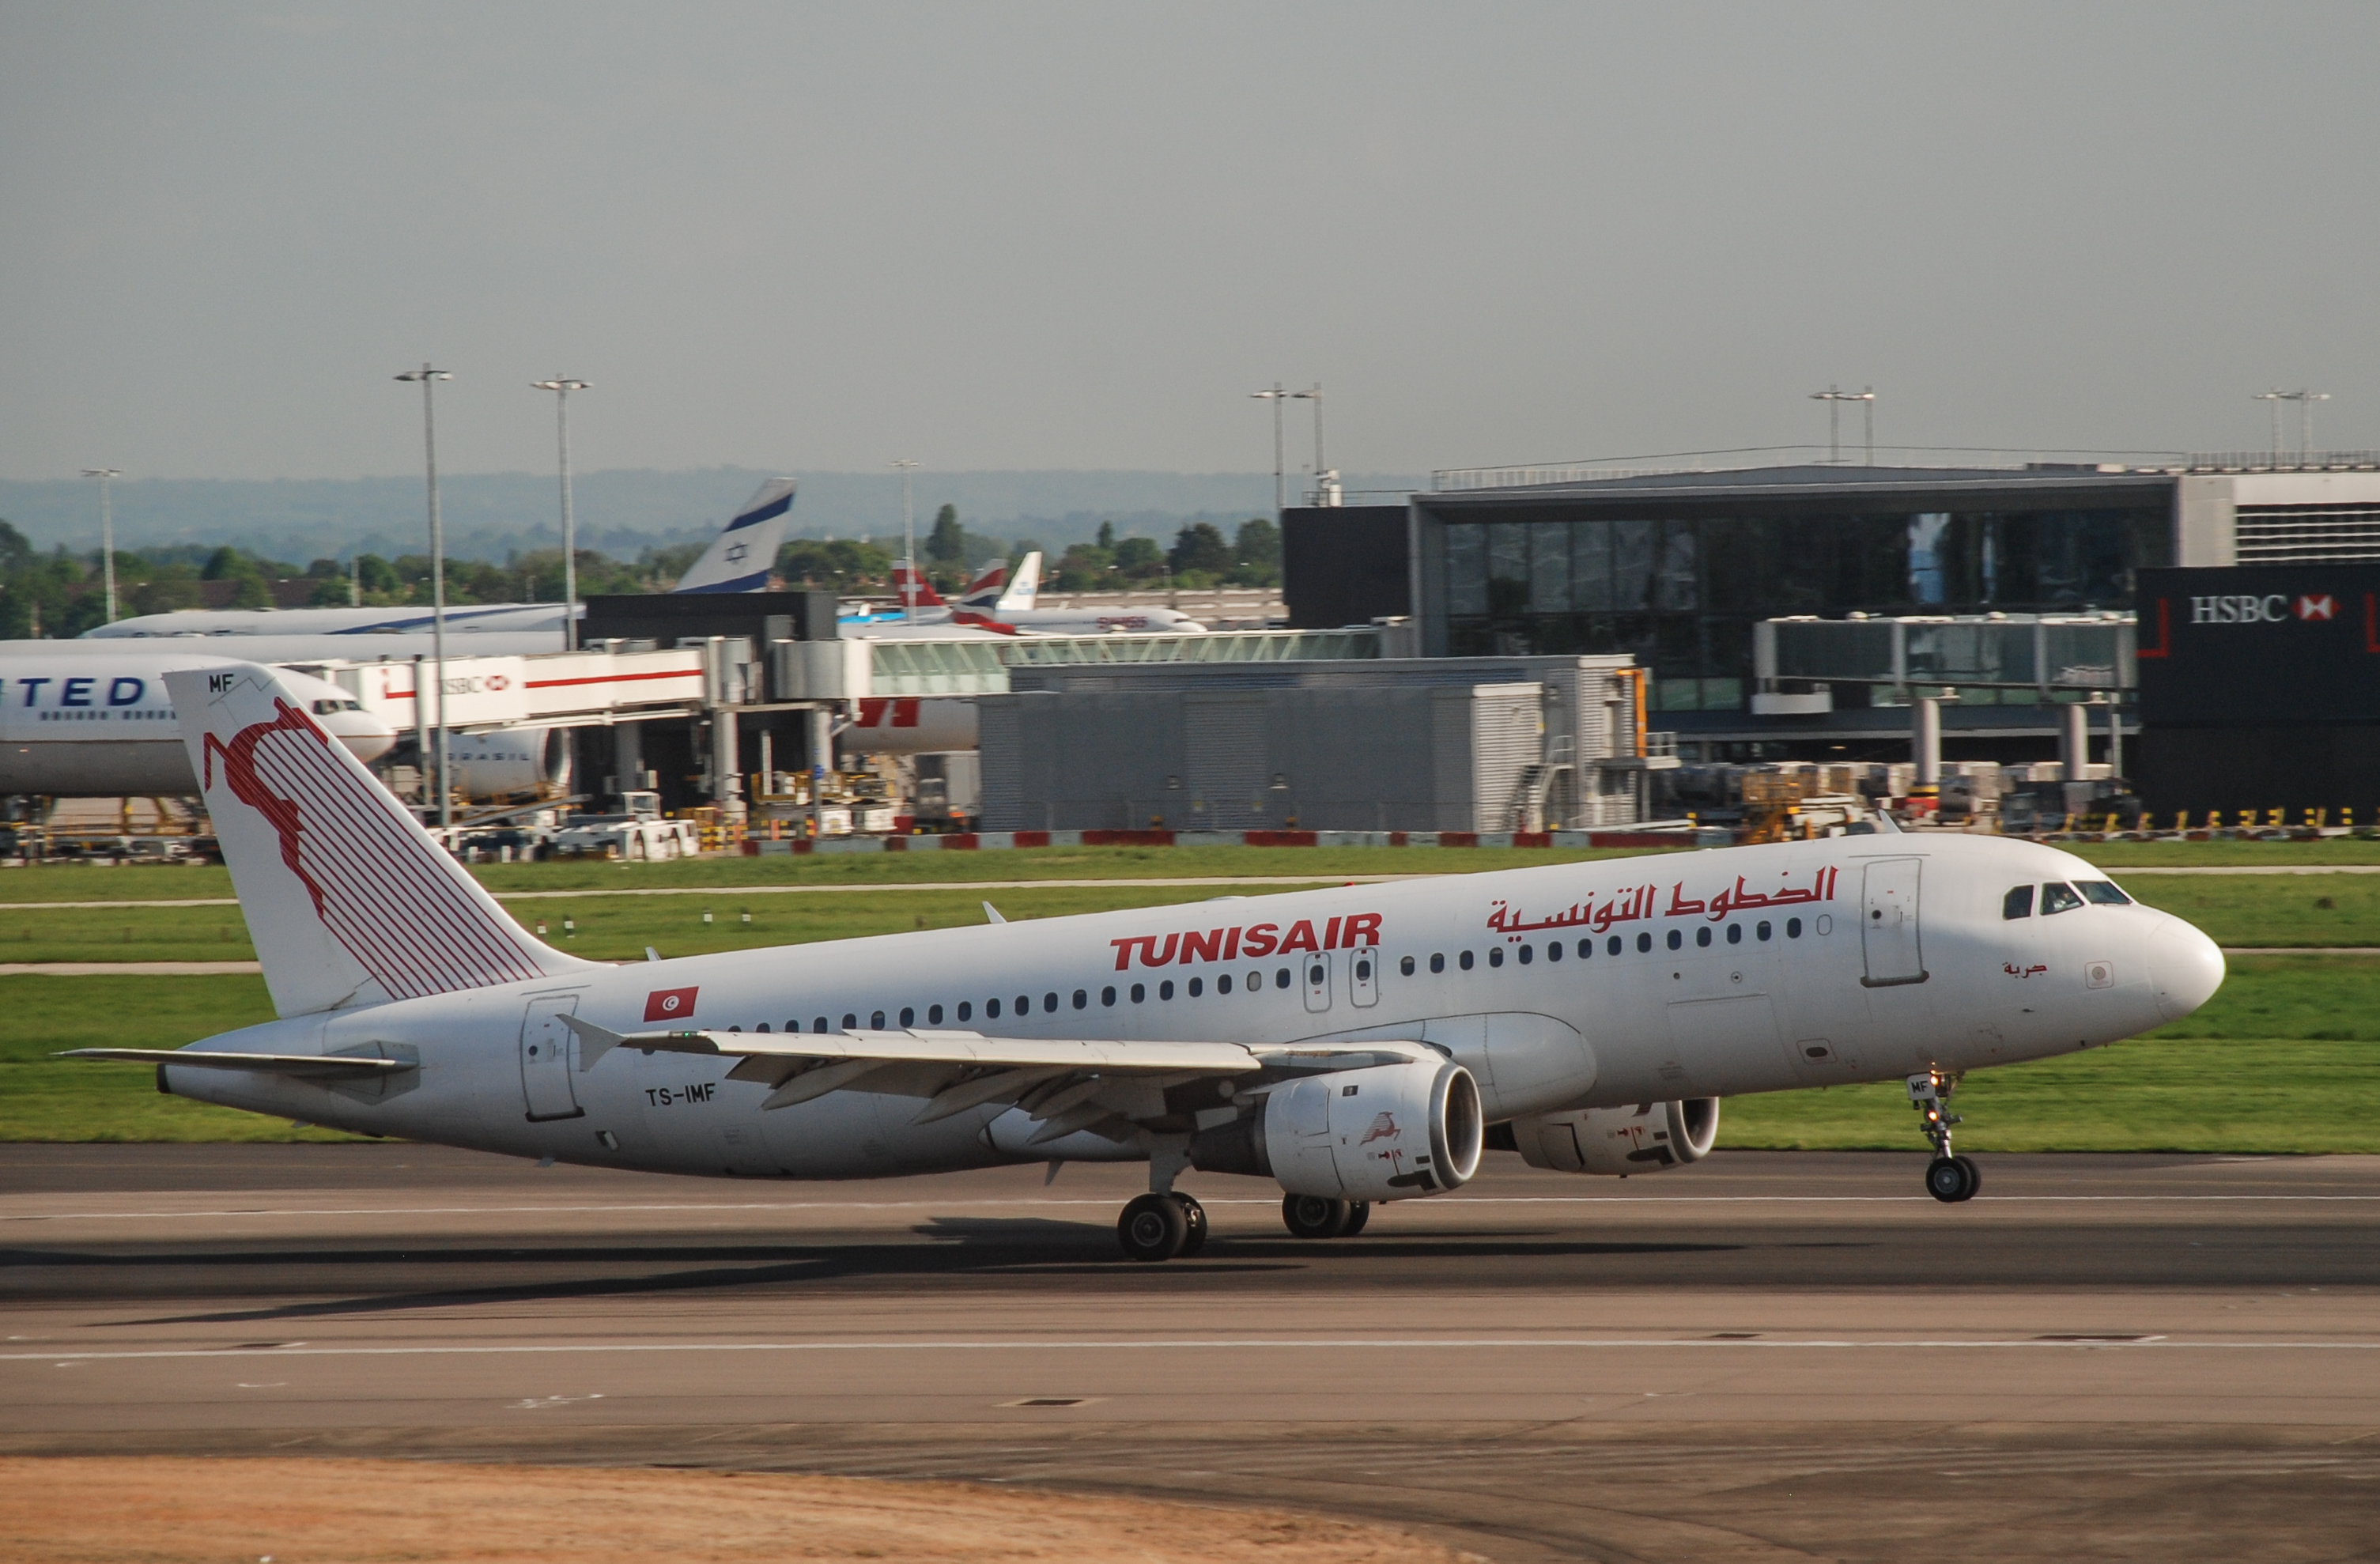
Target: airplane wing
[
  {"x": 1067, "y": 1083},
  {"x": 332, "y": 1065}
]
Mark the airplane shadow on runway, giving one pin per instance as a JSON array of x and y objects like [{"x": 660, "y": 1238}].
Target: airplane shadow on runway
[{"x": 966, "y": 1248}]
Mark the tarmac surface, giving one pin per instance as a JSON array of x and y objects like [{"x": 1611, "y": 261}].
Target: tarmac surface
[{"x": 1767, "y": 1356}]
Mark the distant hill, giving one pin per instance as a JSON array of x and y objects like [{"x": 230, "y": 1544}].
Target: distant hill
[{"x": 491, "y": 516}]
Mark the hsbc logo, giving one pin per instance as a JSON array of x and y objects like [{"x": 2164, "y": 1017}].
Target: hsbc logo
[{"x": 2270, "y": 607}]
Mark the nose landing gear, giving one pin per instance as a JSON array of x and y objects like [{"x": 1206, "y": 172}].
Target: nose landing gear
[{"x": 1949, "y": 1178}]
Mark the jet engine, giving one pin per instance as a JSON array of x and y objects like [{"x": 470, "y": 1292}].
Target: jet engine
[
  {"x": 1384, "y": 1131},
  {"x": 1643, "y": 1139},
  {"x": 511, "y": 763}
]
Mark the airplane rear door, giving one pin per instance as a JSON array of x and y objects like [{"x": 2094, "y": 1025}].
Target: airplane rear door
[
  {"x": 1888, "y": 932},
  {"x": 545, "y": 1058}
]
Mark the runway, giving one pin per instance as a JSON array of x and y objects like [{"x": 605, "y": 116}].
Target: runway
[{"x": 1771, "y": 1355}]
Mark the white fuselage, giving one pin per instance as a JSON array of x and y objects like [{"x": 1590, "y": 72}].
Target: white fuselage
[
  {"x": 540, "y": 620},
  {"x": 83, "y": 721},
  {"x": 1744, "y": 1012}
]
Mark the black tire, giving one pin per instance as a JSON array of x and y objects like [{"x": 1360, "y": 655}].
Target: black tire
[
  {"x": 1152, "y": 1228},
  {"x": 1313, "y": 1216},
  {"x": 1947, "y": 1181},
  {"x": 1358, "y": 1213},
  {"x": 1194, "y": 1216},
  {"x": 1974, "y": 1176}
]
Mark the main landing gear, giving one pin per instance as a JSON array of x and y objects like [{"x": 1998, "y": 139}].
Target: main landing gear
[
  {"x": 1948, "y": 1178},
  {"x": 1313, "y": 1216}
]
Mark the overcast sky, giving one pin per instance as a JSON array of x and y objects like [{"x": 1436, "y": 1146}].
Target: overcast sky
[{"x": 1018, "y": 236}]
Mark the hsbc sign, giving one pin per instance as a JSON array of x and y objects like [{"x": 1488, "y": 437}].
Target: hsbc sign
[{"x": 2266, "y": 607}]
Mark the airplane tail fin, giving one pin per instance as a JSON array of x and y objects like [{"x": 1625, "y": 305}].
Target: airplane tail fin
[
  {"x": 1026, "y": 585},
  {"x": 348, "y": 899},
  {"x": 740, "y": 557},
  {"x": 912, "y": 587},
  {"x": 983, "y": 592}
]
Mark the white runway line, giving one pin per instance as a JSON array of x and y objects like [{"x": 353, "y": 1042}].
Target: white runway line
[
  {"x": 1203, "y": 1344},
  {"x": 1109, "y": 1202}
]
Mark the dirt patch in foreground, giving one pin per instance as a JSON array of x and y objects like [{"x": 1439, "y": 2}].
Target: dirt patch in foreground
[{"x": 162, "y": 1511}]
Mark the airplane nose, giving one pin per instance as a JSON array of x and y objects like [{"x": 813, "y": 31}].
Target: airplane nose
[
  {"x": 2188, "y": 968},
  {"x": 365, "y": 736}
]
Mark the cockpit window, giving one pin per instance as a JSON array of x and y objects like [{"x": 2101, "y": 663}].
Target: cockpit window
[
  {"x": 2058, "y": 897},
  {"x": 2018, "y": 903},
  {"x": 2102, "y": 893}
]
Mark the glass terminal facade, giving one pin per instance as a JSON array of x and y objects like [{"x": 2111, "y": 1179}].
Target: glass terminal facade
[{"x": 1678, "y": 578}]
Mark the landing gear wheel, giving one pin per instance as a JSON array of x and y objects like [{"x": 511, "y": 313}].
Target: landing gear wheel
[
  {"x": 1315, "y": 1216},
  {"x": 1358, "y": 1213},
  {"x": 1152, "y": 1228},
  {"x": 1194, "y": 1215},
  {"x": 1951, "y": 1179},
  {"x": 1974, "y": 1176}
]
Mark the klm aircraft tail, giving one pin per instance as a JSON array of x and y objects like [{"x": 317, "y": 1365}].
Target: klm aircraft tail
[
  {"x": 1026, "y": 585},
  {"x": 739, "y": 560},
  {"x": 348, "y": 899}
]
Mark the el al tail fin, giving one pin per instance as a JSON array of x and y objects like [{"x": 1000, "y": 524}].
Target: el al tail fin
[
  {"x": 739, "y": 559},
  {"x": 348, "y": 899}
]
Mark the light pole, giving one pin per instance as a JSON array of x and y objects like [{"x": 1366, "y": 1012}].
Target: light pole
[
  {"x": 2273, "y": 399},
  {"x": 429, "y": 377},
  {"x": 2305, "y": 401},
  {"x": 106, "y": 532},
  {"x": 1277, "y": 396},
  {"x": 561, "y": 389},
  {"x": 1834, "y": 399},
  {"x": 909, "y": 543},
  {"x": 1315, "y": 396}
]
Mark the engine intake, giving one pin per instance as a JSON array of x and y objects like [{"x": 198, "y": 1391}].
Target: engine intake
[
  {"x": 1643, "y": 1139},
  {"x": 1386, "y": 1132}
]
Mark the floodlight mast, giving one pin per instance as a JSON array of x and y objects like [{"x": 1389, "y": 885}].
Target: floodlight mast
[
  {"x": 2273, "y": 399},
  {"x": 106, "y": 532},
  {"x": 908, "y": 544},
  {"x": 561, "y": 389},
  {"x": 1315, "y": 396},
  {"x": 428, "y": 377},
  {"x": 2305, "y": 401},
  {"x": 1834, "y": 398},
  {"x": 1277, "y": 395}
]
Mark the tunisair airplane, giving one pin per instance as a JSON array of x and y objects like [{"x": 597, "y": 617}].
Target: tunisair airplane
[{"x": 1355, "y": 1047}]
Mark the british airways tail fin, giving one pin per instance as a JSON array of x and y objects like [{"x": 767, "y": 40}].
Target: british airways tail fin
[
  {"x": 983, "y": 592},
  {"x": 739, "y": 559},
  {"x": 913, "y": 590},
  {"x": 1026, "y": 587},
  {"x": 348, "y": 899}
]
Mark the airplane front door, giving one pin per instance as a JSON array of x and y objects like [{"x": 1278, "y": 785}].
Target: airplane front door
[
  {"x": 1888, "y": 937},
  {"x": 545, "y": 1059}
]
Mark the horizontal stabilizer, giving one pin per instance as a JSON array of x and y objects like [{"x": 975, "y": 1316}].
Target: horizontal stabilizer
[{"x": 265, "y": 1063}]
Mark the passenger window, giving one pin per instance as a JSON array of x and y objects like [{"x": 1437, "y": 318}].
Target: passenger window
[
  {"x": 1702, "y": 936},
  {"x": 1735, "y": 934},
  {"x": 1585, "y": 949},
  {"x": 2102, "y": 893},
  {"x": 1644, "y": 941},
  {"x": 850, "y": 1022},
  {"x": 2058, "y": 897},
  {"x": 934, "y": 1015},
  {"x": 1464, "y": 961},
  {"x": 1762, "y": 931},
  {"x": 908, "y": 1015},
  {"x": 1107, "y": 997},
  {"x": 876, "y": 1021},
  {"x": 819, "y": 1026},
  {"x": 1437, "y": 963},
  {"x": 1081, "y": 998},
  {"x": 992, "y": 1010},
  {"x": 1165, "y": 990},
  {"x": 1139, "y": 992},
  {"x": 1793, "y": 929},
  {"x": 1496, "y": 955},
  {"x": 1024, "y": 1005},
  {"x": 1676, "y": 939},
  {"x": 1049, "y": 1004},
  {"x": 1223, "y": 984},
  {"x": 1198, "y": 986},
  {"x": 1406, "y": 967},
  {"x": 762, "y": 1027},
  {"x": 1527, "y": 954},
  {"x": 1553, "y": 950},
  {"x": 2018, "y": 903},
  {"x": 967, "y": 1010},
  {"x": 1280, "y": 977}
]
